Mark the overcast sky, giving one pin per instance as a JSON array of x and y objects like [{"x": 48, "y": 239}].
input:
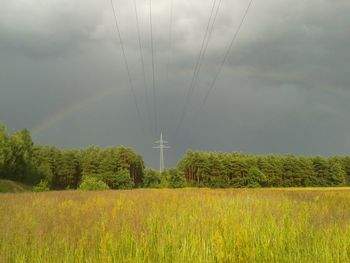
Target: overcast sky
[{"x": 285, "y": 87}]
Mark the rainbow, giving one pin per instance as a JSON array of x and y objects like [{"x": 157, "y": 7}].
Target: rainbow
[{"x": 61, "y": 114}]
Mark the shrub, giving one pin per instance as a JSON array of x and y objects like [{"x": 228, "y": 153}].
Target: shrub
[
  {"x": 123, "y": 180},
  {"x": 164, "y": 180},
  {"x": 176, "y": 179},
  {"x": 43, "y": 186},
  {"x": 110, "y": 179},
  {"x": 90, "y": 183},
  {"x": 151, "y": 178},
  {"x": 120, "y": 180},
  {"x": 221, "y": 181}
]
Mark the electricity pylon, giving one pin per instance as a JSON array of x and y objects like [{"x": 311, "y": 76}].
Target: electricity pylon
[{"x": 162, "y": 145}]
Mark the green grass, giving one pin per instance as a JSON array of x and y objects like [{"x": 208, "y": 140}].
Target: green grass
[
  {"x": 7, "y": 186},
  {"x": 184, "y": 225}
]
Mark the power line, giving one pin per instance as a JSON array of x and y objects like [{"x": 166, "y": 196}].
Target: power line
[
  {"x": 131, "y": 85},
  {"x": 153, "y": 73},
  {"x": 226, "y": 54},
  {"x": 142, "y": 64},
  {"x": 209, "y": 36},
  {"x": 170, "y": 39},
  {"x": 207, "y": 42},
  {"x": 211, "y": 87},
  {"x": 201, "y": 54}
]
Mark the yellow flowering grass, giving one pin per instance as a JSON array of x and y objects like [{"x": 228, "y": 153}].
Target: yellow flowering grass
[{"x": 188, "y": 225}]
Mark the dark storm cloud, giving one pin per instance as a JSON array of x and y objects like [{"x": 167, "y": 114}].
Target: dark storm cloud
[
  {"x": 284, "y": 88},
  {"x": 47, "y": 28}
]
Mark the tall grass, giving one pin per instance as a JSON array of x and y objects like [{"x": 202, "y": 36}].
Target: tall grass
[
  {"x": 187, "y": 225},
  {"x": 7, "y": 186}
]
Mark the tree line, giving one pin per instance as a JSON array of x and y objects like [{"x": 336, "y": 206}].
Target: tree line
[
  {"x": 52, "y": 168},
  {"x": 217, "y": 169},
  {"x": 21, "y": 160}
]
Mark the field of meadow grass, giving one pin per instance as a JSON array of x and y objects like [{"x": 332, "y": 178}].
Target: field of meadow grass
[{"x": 185, "y": 225}]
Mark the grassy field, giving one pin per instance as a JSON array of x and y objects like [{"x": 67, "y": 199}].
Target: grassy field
[
  {"x": 189, "y": 225},
  {"x": 7, "y": 186}
]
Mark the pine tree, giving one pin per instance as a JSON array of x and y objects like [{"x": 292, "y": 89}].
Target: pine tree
[{"x": 337, "y": 174}]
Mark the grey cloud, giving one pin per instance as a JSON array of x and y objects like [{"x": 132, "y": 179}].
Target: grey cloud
[
  {"x": 47, "y": 28},
  {"x": 284, "y": 88}
]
